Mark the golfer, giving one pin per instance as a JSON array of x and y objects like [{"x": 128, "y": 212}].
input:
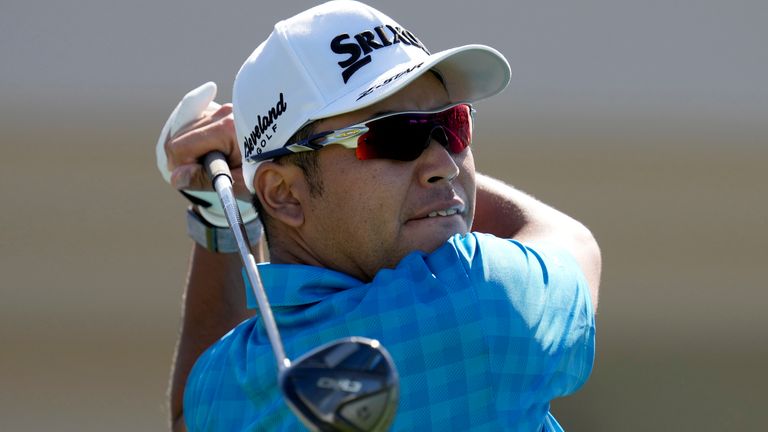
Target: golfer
[{"x": 353, "y": 142}]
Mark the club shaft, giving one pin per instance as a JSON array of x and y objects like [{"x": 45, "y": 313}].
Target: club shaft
[{"x": 218, "y": 170}]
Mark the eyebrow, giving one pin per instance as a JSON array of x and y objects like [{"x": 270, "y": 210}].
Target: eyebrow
[
  {"x": 388, "y": 112},
  {"x": 378, "y": 114},
  {"x": 374, "y": 116}
]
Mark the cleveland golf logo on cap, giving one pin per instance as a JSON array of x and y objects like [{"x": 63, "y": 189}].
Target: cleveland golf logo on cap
[
  {"x": 265, "y": 128},
  {"x": 360, "y": 46}
]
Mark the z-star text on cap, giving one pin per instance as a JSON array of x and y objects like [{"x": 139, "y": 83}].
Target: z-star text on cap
[{"x": 389, "y": 80}]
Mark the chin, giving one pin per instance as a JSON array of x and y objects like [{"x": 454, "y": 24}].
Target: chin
[
  {"x": 432, "y": 243},
  {"x": 428, "y": 235}
]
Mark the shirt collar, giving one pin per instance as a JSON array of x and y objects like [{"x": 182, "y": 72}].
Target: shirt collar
[{"x": 297, "y": 284}]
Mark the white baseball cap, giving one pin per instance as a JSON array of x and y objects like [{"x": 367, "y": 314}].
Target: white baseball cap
[{"x": 339, "y": 57}]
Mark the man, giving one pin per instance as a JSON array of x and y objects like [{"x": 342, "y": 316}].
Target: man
[{"x": 374, "y": 231}]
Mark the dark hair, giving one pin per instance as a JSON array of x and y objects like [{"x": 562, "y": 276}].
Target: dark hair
[{"x": 306, "y": 161}]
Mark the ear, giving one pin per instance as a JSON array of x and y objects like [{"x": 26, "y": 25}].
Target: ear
[{"x": 280, "y": 189}]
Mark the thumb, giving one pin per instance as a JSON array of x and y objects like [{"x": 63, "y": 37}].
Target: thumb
[
  {"x": 189, "y": 109},
  {"x": 190, "y": 177}
]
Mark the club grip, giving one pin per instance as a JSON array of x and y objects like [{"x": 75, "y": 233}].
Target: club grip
[{"x": 216, "y": 165}]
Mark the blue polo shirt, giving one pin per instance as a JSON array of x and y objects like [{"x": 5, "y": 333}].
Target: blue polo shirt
[{"x": 484, "y": 333}]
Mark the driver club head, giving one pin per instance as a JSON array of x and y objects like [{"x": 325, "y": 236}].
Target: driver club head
[{"x": 350, "y": 384}]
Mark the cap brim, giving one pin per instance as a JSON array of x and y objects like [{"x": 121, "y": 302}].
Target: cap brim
[{"x": 470, "y": 73}]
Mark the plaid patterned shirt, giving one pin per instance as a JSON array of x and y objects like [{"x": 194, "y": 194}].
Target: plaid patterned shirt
[{"x": 484, "y": 333}]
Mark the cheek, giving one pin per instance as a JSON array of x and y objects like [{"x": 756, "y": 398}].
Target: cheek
[
  {"x": 367, "y": 198},
  {"x": 466, "y": 162},
  {"x": 468, "y": 183},
  {"x": 375, "y": 199}
]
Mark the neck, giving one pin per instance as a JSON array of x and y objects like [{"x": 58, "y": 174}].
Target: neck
[{"x": 290, "y": 248}]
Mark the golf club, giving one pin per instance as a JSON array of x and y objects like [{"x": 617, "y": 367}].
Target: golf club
[{"x": 350, "y": 384}]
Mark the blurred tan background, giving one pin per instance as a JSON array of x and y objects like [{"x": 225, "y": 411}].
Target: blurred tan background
[{"x": 646, "y": 120}]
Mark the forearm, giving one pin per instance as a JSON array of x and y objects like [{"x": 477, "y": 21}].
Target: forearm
[
  {"x": 498, "y": 210},
  {"x": 213, "y": 303},
  {"x": 507, "y": 212}
]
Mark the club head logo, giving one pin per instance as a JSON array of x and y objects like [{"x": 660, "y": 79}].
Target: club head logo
[{"x": 345, "y": 385}]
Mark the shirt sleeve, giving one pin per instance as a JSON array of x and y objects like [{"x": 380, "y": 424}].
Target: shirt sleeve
[
  {"x": 213, "y": 397},
  {"x": 204, "y": 385},
  {"x": 538, "y": 317}
]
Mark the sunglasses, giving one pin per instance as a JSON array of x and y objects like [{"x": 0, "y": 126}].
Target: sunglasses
[{"x": 397, "y": 136}]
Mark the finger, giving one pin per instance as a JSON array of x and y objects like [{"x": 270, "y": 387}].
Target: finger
[
  {"x": 234, "y": 158},
  {"x": 218, "y": 135},
  {"x": 213, "y": 113},
  {"x": 190, "y": 177},
  {"x": 215, "y": 120},
  {"x": 194, "y": 178},
  {"x": 188, "y": 110}
]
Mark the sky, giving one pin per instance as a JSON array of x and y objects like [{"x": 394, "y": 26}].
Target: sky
[{"x": 684, "y": 60}]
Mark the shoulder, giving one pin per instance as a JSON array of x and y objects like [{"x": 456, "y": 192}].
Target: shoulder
[
  {"x": 536, "y": 295},
  {"x": 535, "y": 277},
  {"x": 486, "y": 253}
]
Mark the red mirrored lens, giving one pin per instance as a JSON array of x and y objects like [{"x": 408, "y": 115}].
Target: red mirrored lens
[{"x": 404, "y": 136}]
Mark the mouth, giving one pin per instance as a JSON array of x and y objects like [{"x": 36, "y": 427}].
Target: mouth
[
  {"x": 446, "y": 212},
  {"x": 433, "y": 226},
  {"x": 450, "y": 209}
]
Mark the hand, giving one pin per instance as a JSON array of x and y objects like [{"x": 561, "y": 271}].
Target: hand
[{"x": 198, "y": 126}]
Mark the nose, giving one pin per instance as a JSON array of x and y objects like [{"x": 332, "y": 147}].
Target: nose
[{"x": 436, "y": 164}]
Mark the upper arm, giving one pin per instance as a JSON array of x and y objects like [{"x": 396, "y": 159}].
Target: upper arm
[
  {"x": 214, "y": 303},
  {"x": 537, "y": 315},
  {"x": 178, "y": 424}
]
